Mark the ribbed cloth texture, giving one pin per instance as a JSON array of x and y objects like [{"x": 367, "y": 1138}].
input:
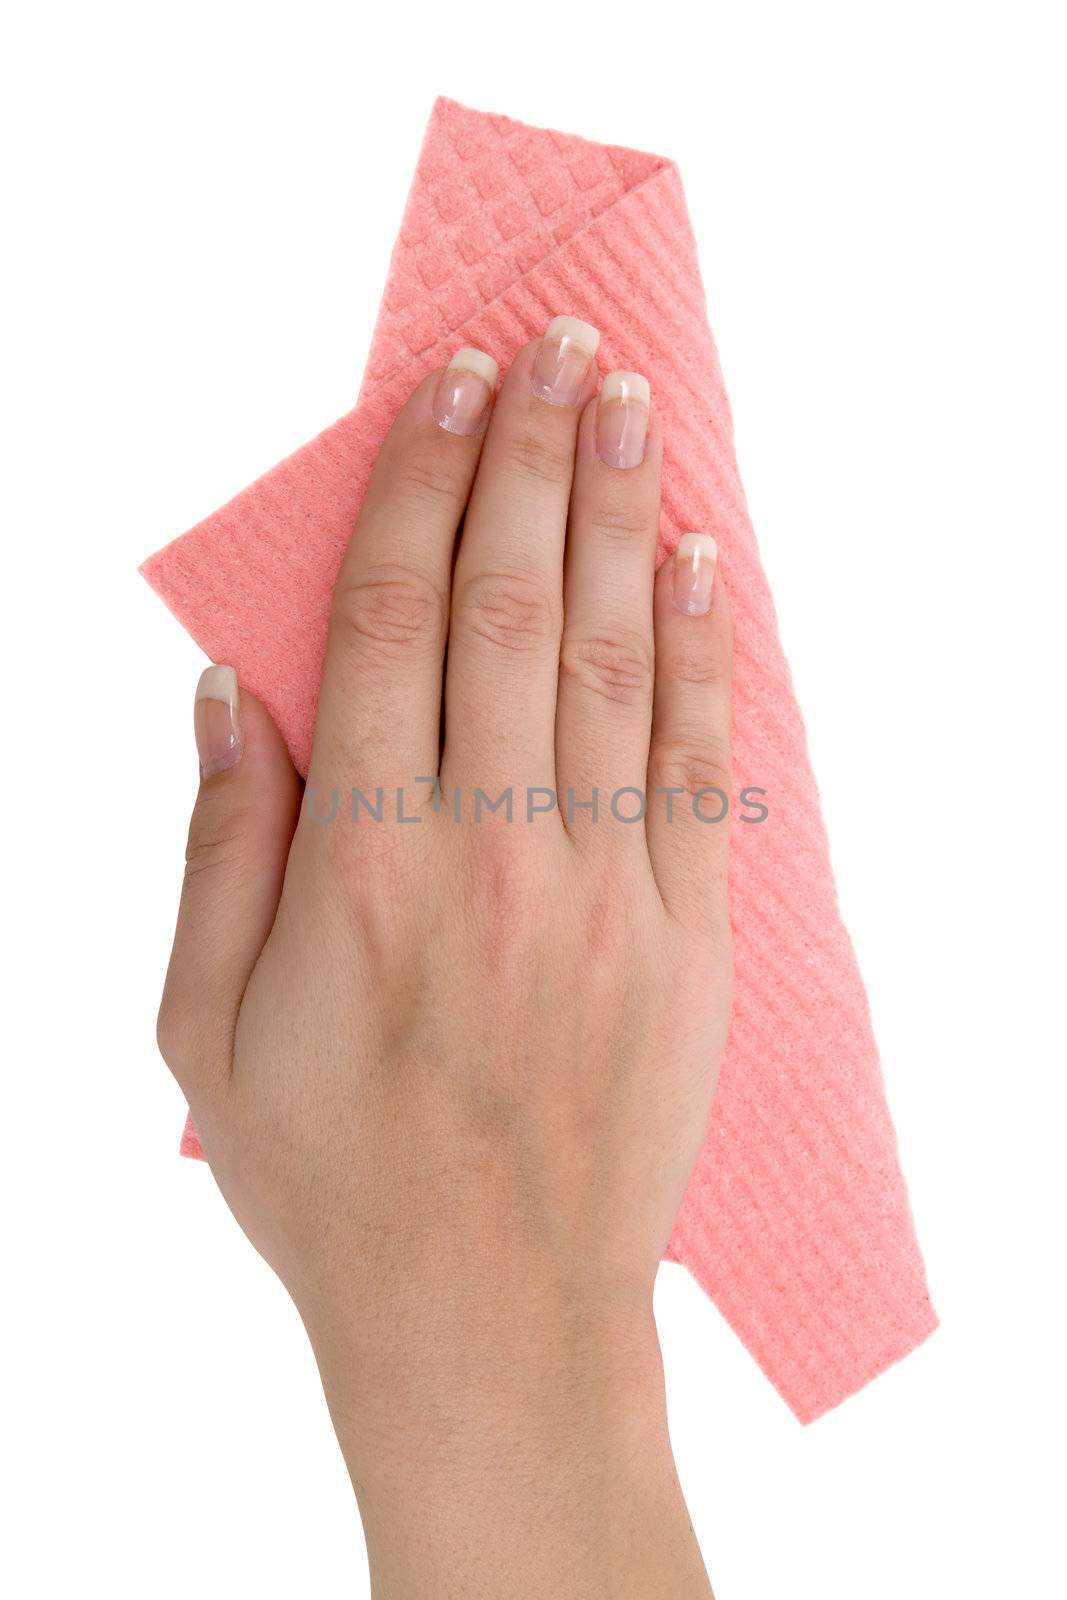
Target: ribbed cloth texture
[{"x": 796, "y": 1221}]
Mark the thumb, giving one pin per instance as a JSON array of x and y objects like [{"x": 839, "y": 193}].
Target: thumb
[{"x": 239, "y": 838}]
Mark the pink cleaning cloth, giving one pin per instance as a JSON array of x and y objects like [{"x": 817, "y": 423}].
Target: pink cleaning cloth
[{"x": 796, "y": 1221}]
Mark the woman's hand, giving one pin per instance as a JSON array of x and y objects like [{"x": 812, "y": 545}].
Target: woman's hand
[{"x": 452, "y": 1068}]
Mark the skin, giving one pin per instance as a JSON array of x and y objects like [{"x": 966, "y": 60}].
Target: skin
[{"x": 452, "y": 1079}]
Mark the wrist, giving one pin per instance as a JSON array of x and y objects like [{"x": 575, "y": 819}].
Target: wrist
[
  {"x": 548, "y": 1437},
  {"x": 500, "y": 1379}
]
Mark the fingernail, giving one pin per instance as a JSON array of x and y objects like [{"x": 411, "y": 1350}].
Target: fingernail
[
  {"x": 694, "y": 573},
  {"x": 465, "y": 391},
  {"x": 216, "y": 721},
  {"x": 563, "y": 361},
  {"x": 622, "y": 419}
]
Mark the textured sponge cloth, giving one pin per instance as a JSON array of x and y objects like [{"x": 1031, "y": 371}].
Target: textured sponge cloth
[{"x": 796, "y": 1221}]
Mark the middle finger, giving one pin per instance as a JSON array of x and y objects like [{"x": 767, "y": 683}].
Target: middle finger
[{"x": 507, "y": 593}]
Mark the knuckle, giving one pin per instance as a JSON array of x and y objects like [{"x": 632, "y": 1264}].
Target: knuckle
[
  {"x": 510, "y": 612},
  {"x": 389, "y": 608},
  {"x": 533, "y": 453},
  {"x": 697, "y": 672},
  {"x": 615, "y": 918},
  {"x": 695, "y": 665},
  {"x": 507, "y": 899},
  {"x": 422, "y": 478},
  {"x": 621, "y": 518},
  {"x": 175, "y": 1030},
  {"x": 169, "y": 1031},
  {"x": 504, "y": 889},
  {"x": 693, "y": 768},
  {"x": 216, "y": 835},
  {"x": 193, "y": 1039},
  {"x": 618, "y": 667}
]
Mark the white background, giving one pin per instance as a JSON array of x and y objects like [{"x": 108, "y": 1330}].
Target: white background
[{"x": 200, "y": 201}]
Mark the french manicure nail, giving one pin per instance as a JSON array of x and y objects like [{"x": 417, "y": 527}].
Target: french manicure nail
[
  {"x": 216, "y": 721},
  {"x": 694, "y": 573},
  {"x": 622, "y": 419},
  {"x": 563, "y": 361},
  {"x": 465, "y": 391}
]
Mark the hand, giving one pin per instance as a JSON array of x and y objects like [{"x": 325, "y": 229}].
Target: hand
[{"x": 452, "y": 1075}]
